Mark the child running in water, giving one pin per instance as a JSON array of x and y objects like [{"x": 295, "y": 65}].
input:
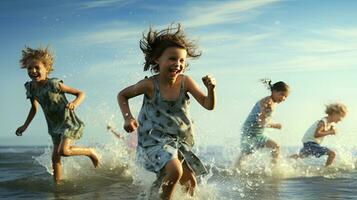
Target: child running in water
[
  {"x": 63, "y": 125},
  {"x": 165, "y": 132},
  {"x": 319, "y": 130},
  {"x": 252, "y": 137}
]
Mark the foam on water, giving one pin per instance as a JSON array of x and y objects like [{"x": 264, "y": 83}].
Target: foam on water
[{"x": 118, "y": 163}]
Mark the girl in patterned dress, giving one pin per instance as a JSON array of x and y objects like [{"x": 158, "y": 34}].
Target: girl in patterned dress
[
  {"x": 165, "y": 132},
  {"x": 63, "y": 124},
  {"x": 252, "y": 137}
]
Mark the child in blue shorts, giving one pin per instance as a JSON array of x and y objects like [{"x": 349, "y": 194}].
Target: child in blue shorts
[{"x": 317, "y": 132}]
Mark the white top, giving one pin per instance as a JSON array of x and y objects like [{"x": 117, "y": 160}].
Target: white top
[{"x": 310, "y": 133}]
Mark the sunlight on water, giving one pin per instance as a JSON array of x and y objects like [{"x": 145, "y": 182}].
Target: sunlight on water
[{"x": 254, "y": 178}]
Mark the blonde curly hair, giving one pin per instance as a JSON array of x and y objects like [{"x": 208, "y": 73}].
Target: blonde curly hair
[
  {"x": 337, "y": 108},
  {"x": 43, "y": 55}
]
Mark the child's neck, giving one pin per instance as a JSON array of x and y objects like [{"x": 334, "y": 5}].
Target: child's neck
[
  {"x": 329, "y": 119},
  {"x": 164, "y": 81},
  {"x": 41, "y": 83},
  {"x": 271, "y": 99}
]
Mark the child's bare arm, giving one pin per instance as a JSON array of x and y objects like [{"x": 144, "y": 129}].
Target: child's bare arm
[
  {"x": 274, "y": 125},
  {"x": 208, "y": 101},
  {"x": 320, "y": 132},
  {"x": 79, "y": 96},
  {"x": 144, "y": 86},
  {"x": 266, "y": 106},
  {"x": 30, "y": 116}
]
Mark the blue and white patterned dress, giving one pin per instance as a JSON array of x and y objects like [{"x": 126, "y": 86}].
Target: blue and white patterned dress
[{"x": 165, "y": 132}]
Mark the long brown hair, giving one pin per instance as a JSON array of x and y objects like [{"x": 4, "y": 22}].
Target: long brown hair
[{"x": 154, "y": 43}]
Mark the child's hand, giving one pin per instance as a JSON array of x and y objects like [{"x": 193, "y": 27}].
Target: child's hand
[
  {"x": 333, "y": 130},
  {"x": 71, "y": 106},
  {"x": 276, "y": 126},
  {"x": 20, "y": 130},
  {"x": 209, "y": 82},
  {"x": 130, "y": 125}
]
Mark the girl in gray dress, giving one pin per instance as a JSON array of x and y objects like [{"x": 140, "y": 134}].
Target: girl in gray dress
[
  {"x": 165, "y": 132},
  {"x": 63, "y": 125}
]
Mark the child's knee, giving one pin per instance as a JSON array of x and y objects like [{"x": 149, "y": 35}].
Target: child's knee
[
  {"x": 275, "y": 148},
  {"x": 331, "y": 154},
  {"x": 295, "y": 156},
  {"x": 174, "y": 172},
  {"x": 64, "y": 151}
]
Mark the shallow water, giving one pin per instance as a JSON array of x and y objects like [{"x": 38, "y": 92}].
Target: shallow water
[{"x": 26, "y": 173}]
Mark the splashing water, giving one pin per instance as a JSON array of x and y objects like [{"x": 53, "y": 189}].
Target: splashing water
[{"x": 256, "y": 178}]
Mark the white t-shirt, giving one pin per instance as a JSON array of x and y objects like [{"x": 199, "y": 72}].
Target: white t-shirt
[{"x": 310, "y": 133}]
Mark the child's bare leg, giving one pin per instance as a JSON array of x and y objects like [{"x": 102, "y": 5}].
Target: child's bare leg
[
  {"x": 295, "y": 156},
  {"x": 56, "y": 165},
  {"x": 274, "y": 150},
  {"x": 173, "y": 173},
  {"x": 66, "y": 150},
  {"x": 188, "y": 179},
  {"x": 331, "y": 157}
]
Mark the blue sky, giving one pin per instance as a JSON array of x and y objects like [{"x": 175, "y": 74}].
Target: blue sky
[{"x": 311, "y": 45}]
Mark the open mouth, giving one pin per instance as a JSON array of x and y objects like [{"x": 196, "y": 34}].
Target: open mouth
[
  {"x": 34, "y": 76},
  {"x": 174, "y": 71}
]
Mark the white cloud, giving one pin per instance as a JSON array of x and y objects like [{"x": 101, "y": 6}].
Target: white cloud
[
  {"x": 106, "y": 36},
  {"x": 320, "y": 49},
  {"x": 335, "y": 40},
  {"x": 104, "y": 3},
  {"x": 342, "y": 32},
  {"x": 321, "y": 46},
  {"x": 204, "y": 15},
  {"x": 316, "y": 63},
  {"x": 226, "y": 12}
]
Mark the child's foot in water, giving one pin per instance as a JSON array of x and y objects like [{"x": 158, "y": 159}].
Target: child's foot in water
[{"x": 95, "y": 158}]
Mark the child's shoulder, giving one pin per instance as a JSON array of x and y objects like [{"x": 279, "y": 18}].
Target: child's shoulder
[
  {"x": 147, "y": 82},
  {"x": 148, "y": 79},
  {"x": 322, "y": 121},
  {"x": 29, "y": 86},
  {"x": 266, "y": 102},
  {"x": 55, "y": 80},
  {"x": 186, "y": 80}
]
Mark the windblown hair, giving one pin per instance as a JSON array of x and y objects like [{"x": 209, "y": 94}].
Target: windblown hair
[
  {"x": 154, "y": 43},
  {"x": 279, "y": 86},
  {"x": 337, "y": 108},
  {"x": 43, "y": 55}
]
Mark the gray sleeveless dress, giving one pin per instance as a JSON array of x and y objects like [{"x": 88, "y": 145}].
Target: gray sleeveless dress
[
  {"x": 165, "y": 132},
  {"x": 61, "y": 121}
]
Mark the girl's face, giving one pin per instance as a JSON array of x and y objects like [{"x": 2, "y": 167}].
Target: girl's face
[
  {"x": 279, "y": 96},
  {"x": 37, "y": 71},
  {"x": 336, "y": 117},
  {"x": 172, "y": 62}
]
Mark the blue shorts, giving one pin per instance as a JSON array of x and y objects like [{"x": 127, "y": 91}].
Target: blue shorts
[{"x": 312, "y": 148}]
